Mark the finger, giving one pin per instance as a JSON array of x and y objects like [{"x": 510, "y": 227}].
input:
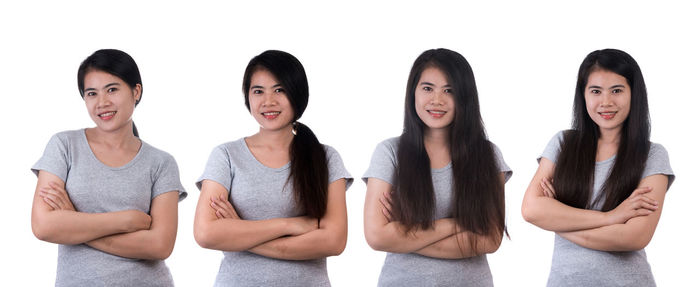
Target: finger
[
  {"x": 545, "y": 190},
  {"x": 649, "y": 200},
  {"x": 386, "y": 214},
  {"x": 384, "y": 202},
  {"x": 387, "y": 195},
  {"x": 648, "y": 206},
  {"x": 52, "y": 204},
  {"x": 641, "y": 190},
  {"x": 218, "y": 215},
  {"x": 55, "y": 197},
  {"x": 643, "y": 212}
]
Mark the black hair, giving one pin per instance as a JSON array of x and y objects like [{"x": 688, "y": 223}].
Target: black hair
[
  {"x": 114, "y": 62},
  {"x": 573, "y": 174},
  {"x": 309, "y": 166},
  {"x": 479, "y": 203}
]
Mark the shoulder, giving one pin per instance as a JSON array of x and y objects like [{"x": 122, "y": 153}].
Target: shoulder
[
  {"x": 657, "y": 150},
  {"x": 390, "y": 144},
  {"x": 69, "y": 137},
  {"x": 156, "y": 154}
]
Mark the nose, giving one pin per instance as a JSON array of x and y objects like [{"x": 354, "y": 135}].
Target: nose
[
  {"x": 269, "y": 100},
  {"x": 437, "y": 99},
  {"x": 103, "y": 100},
  {"x": 606, "y": 99}
]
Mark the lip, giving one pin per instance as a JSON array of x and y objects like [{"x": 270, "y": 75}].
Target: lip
[
  {"x": 607, "y": 115},
  {"x": 105, "y": 116},
  {"x": 271, "y": 115},
  {"x": 436, "y": 113}
]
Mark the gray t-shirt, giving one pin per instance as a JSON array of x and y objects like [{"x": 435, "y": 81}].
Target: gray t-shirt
[
  {"x": 574, "y": 265},
  {"x": 410, "y": 269},
  {"x": 94, "y": 187},
  {"x": 259, "y": 192}
]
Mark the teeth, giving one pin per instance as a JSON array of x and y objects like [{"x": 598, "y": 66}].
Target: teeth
[
  {"x": 437, "y": 112},
  {"x": 107, "y": 114},
  {"x": 271, "y": 113}
]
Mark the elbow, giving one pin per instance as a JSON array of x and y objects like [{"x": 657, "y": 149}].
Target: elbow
[
  {"x": 375, "y": 240},
  {"x": 337, "y": 245},
  {"x": 162, "y": 250},
  {"x": 493, "y": 244},
  {"x": 634, "y": 242},
  {"x": 43, "y": 230},
  {"x": 530, "y": 212},
  {"x": 204, "y": 236}
]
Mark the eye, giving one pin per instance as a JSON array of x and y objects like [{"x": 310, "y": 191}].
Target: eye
[
  {"x": 617, "y": 91},
  {"x": 427, "y": 88},
  {"x": 90, "y": 94},
  {"x": 279, "y": 90},
  {"x": 595, "y": 91},
  {"x": 257, "y": 91},
  {"x": 111, "y": 90},
  {"x": 448, "y": 91}
]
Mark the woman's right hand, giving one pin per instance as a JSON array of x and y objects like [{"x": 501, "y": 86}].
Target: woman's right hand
[
  {"x": 303, "y": 224},
  {"x": 637, "y": 204},
  {"x": 135, "y": 220}
]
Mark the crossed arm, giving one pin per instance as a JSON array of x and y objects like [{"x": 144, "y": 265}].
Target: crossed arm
[
  {"x": 127, "y": 233},
  {"x": 444, "y": 240},
  {"x": 630, "y": 226},
  {"x": 218, "y": 226}
]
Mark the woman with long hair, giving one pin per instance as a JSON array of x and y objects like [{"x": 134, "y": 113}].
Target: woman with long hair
[
  {"x": 600, "y": 186},
  {"x": 436, "y": 193},
  {"x": 104, "y": 195},
  {"x": 274, "y": 202}
]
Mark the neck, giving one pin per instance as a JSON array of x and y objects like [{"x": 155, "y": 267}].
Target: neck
[
  {"x": 120, "y": 138},
  {"x": 436, "y": 138},
  {"x": 610, "y": 136},
  {"x": 277, "y": 139}
]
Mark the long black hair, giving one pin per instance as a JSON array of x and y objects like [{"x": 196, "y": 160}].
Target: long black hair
[
  {"x": 479, "y": 204},
  {"x": 309, "y": 166},
  {"x": 573, "y": 174},
  {"x": 114, "y": 62}
]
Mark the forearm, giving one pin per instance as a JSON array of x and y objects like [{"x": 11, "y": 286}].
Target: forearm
[
  {"x": 458, "y": 246},
  {"x": 228, "y": 234},
  {"x": 392, "y": 237},
  {"x": 142, "y": 244},
  {"x": 616, "y": 237},
  {"x": 315, "y": 244},
  {"x": 550, "y": 214},
  {"x": 72, "y": 227}
]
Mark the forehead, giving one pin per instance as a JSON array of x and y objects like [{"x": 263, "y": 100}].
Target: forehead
[
  {"x": 98, "y": 78},
  {"x": 433, "y": 75},
  {"x": 605, "y": 78},
  {"x": 263, "y": 77}
]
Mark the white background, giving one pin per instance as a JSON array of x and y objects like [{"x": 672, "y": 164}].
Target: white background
[{"x": 357, "y": 55}]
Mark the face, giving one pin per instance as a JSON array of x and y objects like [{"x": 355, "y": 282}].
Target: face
[
  {"x": 268, "y": 100},
  {"x": 434, "y": 99},
  {"x": 608, "y": 97},
  {"x": 109, "y": 100}
]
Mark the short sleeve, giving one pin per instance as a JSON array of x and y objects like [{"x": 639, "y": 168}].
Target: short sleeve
[
  {"x": 55, "y": 159},
  {"x": 167, "y": 178},
  {"x": 551, "y": 152},
  {"x": 383, "y": 163},
  {"x": 658, "y": 163},
  {"x": 218, "y": 168},
  {"x": 502, "y": 166},
  {"x": 336, "y": 168}
]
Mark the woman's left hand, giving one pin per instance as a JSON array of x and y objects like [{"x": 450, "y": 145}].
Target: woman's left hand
[
  {"x": 548, "y": 188},
  {"x": 222, "y": 207},
  {"x": 56, "y": 196},
  {"x": 385, "y": 199}
]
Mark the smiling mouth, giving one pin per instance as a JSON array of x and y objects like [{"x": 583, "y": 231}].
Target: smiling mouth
[
  {"x": 607, "y": 115},
  {"x": 107, "y": 115},
  {"x": 436, "y": 113},
  {"x": 271, "y": 115}
]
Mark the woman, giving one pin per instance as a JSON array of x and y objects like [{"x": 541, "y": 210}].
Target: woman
[
  {"x": 600, "y": 186},
  {"x": 424, "y": 204},
  {"x": 105, "y": 196},
  {"x": 274, "y": 202}
]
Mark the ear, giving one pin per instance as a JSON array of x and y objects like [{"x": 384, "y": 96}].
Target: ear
[{"x": 137, "y": 92}]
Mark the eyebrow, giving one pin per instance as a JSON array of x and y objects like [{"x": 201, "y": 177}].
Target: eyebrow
[
  {"x": 615, "y": 86},
  {"x": 431, "y": 84},
  {"x": 261, "y": 87},
  {"x": 106, "y": 86}
]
